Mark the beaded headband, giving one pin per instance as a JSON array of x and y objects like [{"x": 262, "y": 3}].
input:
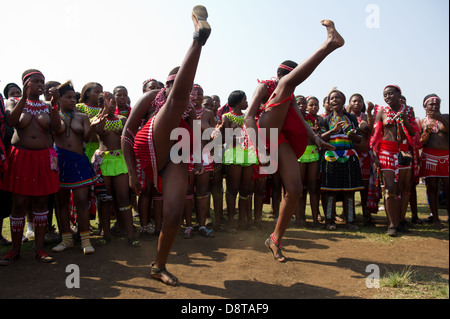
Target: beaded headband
[
  {"x": 395, "y": 86},
  {"x": 435, "y": 99},
  {"x": 30, "y": 74},
  {"x": 285, "y": 67}
]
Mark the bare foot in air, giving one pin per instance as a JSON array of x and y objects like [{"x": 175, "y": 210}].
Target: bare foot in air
[{"x": 334, "y": 38}]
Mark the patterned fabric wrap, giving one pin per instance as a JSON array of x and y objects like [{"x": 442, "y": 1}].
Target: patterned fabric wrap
[
  {"x": 75, "y": 170},
  {"x": 434, "y": 163}
]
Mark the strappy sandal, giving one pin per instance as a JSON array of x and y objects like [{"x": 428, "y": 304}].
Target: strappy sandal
[
  {"x": 202, "y": 27},
  {"x": 160, "y": 273},
  {"x": 278, "y": 256},
  {"x": 43, "y": 257}
]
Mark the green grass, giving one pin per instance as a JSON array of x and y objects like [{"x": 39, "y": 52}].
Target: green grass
[{"x": 409, "y": 284}]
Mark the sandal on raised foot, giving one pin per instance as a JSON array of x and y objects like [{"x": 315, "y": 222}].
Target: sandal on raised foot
[
  {"x": 202, "y": 27},
  {"x": 163, "y": 275},
  {"x": 278, "y": 256}
]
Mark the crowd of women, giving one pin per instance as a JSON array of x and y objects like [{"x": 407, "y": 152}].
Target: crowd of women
[{"x": 91, "y": 153}]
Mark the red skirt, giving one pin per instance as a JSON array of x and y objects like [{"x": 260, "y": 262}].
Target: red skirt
[
  {"x": 29, "y": 173},
  {"x": 145, "y": 153},
  {"x": 434, "y": 163},
  {"x": 293, "y": 133}
]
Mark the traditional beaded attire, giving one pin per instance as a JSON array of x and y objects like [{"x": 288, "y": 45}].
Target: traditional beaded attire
[
  {"x": 434, "y": 162},
  {"x": 388, "y": 151},
  {"x": 91, "y": 112},
  {"x": 240, "y": 153},
  {"x": 143, "y": 144},
  {"x": 311, "y": 153},
  {"x": 340, "y": 168},
  {"x": 32, "y": 172}
]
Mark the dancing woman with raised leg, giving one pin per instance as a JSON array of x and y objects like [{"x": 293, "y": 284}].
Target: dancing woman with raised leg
[
  {"x": 281, "y": 112},
  {"x": 153, "y": 144}
]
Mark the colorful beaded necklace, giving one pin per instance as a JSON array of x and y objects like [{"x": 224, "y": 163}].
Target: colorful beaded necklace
[
  {"x": 67, "y": 117},
  {"x": 36, "y": 107},
  {"x": 89, "y": 110},
  {"x": 199, "y": 113},
  {"x": 237, "y": 119},
  {"x": 113, "y": 124}
]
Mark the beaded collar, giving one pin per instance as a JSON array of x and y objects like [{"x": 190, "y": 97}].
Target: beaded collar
[
  {"x": 435, "y": 128},
  {"x": 91, "y": 111},
  {"x": 113, "y": 124},
  {"x": 237, "y": 119},
  {"x": 200, "y": 112},
  {"x": 36, "y": 107}
]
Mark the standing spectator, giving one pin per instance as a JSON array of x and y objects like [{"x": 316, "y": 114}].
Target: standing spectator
[
  {"x": 5, "y": 197},
  {"x": 434, "y": 159},
  {"x": 110, "y": 164},
  {"x": 240, "y": 161},
  {"x": 32, "y": 164},
  {"x": 309, "y": 167},
  {"x": 76, "y": 174},
  {"x": 341, "y": 172},
  {"x": 394, "y": 130}
]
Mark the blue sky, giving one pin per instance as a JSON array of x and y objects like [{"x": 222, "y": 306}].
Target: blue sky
[{"x": 123, "y": 43}]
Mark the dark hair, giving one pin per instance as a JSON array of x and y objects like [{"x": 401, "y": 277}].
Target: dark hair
[
  {"x": 429, "y": 96},
  {"x": 336, "y": 91},
  {"x": 86, "y": 89},
  {"x": 51, "y": 84},
  {"x": 28, "y": 73},
  {"x": 312, "y": 98},
  {"x": 118, "y": 88},
  {"x": 235, "y": 97},
  {"x": 364, "y": 103},
  {"x": 65, "y": 87},
  {"x": 288, "y": 63},
  {"x": 8, "y": 87}
]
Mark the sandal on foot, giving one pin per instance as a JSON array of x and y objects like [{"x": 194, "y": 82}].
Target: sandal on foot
[
  {"x": 202, "y": 27},
  {"x": 10, "y": 257},
  {"x": 278, "y": 256},
  {"x": 43, "y": 257},
  {"x": 163, "y": 275}
]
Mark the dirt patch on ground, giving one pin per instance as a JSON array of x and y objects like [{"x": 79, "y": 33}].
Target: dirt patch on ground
[{"x": 321, "y": 264}]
